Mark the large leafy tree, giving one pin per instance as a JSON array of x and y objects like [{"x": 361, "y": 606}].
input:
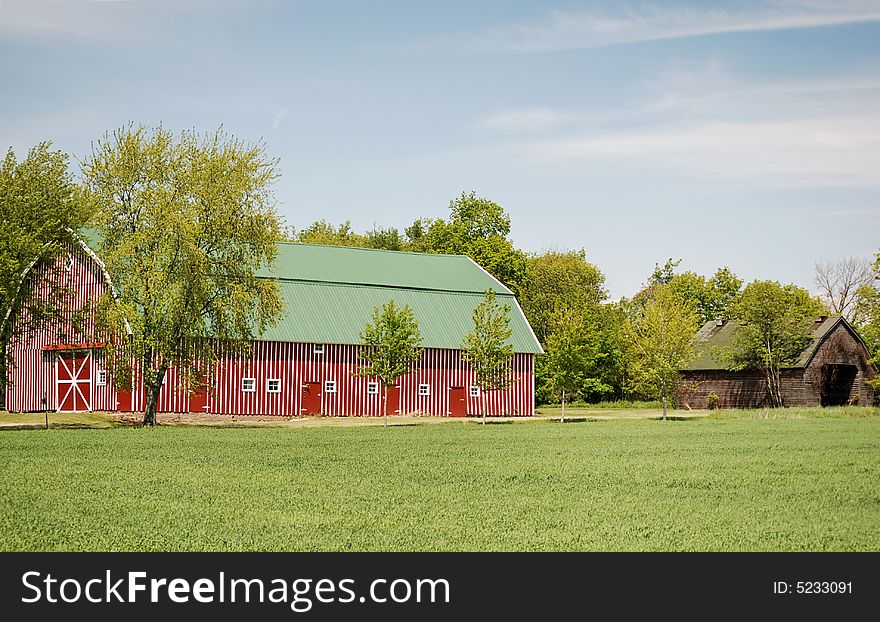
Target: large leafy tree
[
  {"x": 556, "y": 281},
  {"x": 572, "y": 357},
  {"x": 775, "y": 328},
  {"x": 562, "y": 288},
  {"x": 392, "y": 343},
  {"x": 187, "y": 221},
  {"x": 711, "y": 298},
  {"x": 660, "y": 343},
  {"x": 487, "y": 348},
  {"x": 478, "y": 228},
  {"x": 39, "y": 210}
]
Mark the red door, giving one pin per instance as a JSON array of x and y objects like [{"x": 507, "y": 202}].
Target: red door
[
  {"x": 123, "y": 399},
  {"x": 457, "y": 402},
  {"x": 394, "y": 400},
  {"x": 198, "y": 401},
  {"x": 311, "y": 398},
  {"x": 74, "y": 381}
]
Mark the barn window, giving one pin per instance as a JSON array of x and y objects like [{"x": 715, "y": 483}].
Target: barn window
[
  {"x": 373, "y": 388},
  {"x": 424, "y": 389},
  {"x": 319, "y": 348},
  {"x": 330, "y": 386},
  {"x": 475, "y": 391},
  {"x": 273, "y": 385},
  {"x": 249, "y": 385},
  {"x": 101, "y": 378},
  {"x": 68, "y": 265}
]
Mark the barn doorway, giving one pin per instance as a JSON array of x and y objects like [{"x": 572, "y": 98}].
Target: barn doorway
[
  {"x": 457, "y": 402},
  {"x": 394, "y": 400},
  {"x": 837, "y": 384},
  {"x": 73, "y": 380},
  {"x": 311, "y": 398}
]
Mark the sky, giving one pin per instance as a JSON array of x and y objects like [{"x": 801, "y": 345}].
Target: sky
[{"x": 740, "y": 134}]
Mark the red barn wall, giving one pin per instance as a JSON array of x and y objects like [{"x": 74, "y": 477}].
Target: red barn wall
[{"x": 32, "y": 376}]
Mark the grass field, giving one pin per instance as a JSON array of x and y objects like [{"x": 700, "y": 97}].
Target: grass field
[{"x": 728, "y": 484}]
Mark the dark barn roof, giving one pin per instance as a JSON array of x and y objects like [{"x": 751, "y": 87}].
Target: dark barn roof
[{"x": 714, "y": 336}]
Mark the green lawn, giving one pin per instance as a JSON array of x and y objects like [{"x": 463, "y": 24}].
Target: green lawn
[{"x": 728, "y": 484}]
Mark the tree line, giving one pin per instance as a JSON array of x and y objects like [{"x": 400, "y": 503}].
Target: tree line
[
  {"x": 598, "y": 349},
  {"x": 188, "y": 219}
]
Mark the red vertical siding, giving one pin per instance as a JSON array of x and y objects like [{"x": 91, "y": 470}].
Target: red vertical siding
[{"x": 32, "y": 382}]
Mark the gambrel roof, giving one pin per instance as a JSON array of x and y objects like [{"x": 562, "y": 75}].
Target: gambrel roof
[{"x": 330, "y": 292}]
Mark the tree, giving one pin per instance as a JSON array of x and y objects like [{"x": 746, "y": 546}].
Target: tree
[
  {"x": 775, "y": 328},
  {"x": 660, "y": 343},
  {"x": 393, "y": 343},
  {"x": 664, "y": 275},
  {"x": 711, "y": 298},
  {"x": 840, "y": 285},
  {"x": 187, "y": 222},
  {"x": 867, "y": 313},
  {"x": 388, "y": 239},
  {"x": 555, "y": 281},
  {"x": 486, "y": 347},
  {"x": 323, "y": 232},
  {"x": 40, "y": 209},
  {"x": 478, "y": 228},
  {"x": 570, "y": 358}
]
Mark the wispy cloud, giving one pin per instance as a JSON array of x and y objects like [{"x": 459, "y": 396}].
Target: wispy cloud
[
  {"x": 634, "y": 23},
  {"x": 91, "y": 19},
  {"x": 279, "y": 117},
  {"x": 709, "y": 126},
  {"x": 526, "y": 120},
  {"x": 812, "y": 152},
  {"x": 75, "y": 18}
]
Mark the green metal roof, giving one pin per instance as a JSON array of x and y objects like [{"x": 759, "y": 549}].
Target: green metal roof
[
  {"x": 330, "y": 292},
  {"x": 363, "y": 266},
  {"x": 711, "y": 338},
  {"x": 335, "y": 313}
]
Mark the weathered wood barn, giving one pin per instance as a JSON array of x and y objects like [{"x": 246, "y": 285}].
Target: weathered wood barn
[
  {"x": 831, "y": 371},
  {"x": 304, "y": 364}
]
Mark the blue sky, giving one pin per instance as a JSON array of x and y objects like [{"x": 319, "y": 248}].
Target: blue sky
[{"x": 744, "y": 134}]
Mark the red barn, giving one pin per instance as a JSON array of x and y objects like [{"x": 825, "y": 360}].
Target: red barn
[{"x": 303, "y": 365}]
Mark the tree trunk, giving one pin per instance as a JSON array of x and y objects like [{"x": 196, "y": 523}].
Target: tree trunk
[
  {"x": 385, "y": 406},
  {"x": 562, "y": 418},
  {"x": 663, "y": 391},
  {"x": 3, "y": 371},
  {"x": 152, "y": 390},
  {"x": 484, "y": 403}
]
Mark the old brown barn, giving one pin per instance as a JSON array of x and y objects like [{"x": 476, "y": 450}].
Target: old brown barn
[{"x": 831, "y": 371}]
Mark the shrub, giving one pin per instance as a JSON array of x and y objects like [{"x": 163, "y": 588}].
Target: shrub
[{"x": 712, "y": 400}]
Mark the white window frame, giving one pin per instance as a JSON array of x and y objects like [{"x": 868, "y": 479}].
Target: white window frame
[
  {"x": 475, "y": 391},
  {"x": 372, "y": 388},
  {"x": 319, "y": 348},
  {"x": 329, "y": 386},
  {"x": 269, "y": 382},
  {"x": 244, "y": 385},
  {"x": 424, "y": 390},
  {"x": 101, "y": 378}
]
